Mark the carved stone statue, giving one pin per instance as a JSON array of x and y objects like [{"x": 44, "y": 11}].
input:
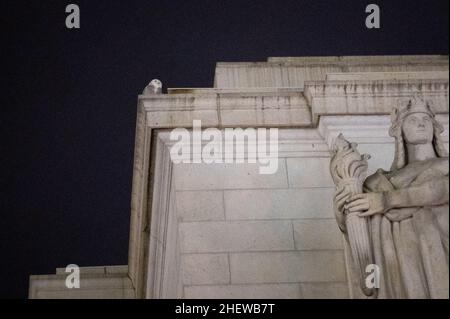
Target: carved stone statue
[{"x": 398, "y": 220}]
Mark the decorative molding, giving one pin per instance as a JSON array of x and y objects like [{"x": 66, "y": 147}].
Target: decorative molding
[
  {"x": 162, "y": 248},
  {"x": 282, "y": 109},
  {"x": 139, "y": 198},
  {"x": 295, "y": 71},
  {"x": 365, "y": 129},
  {"x": 290, "y": 109},
  {"x": 372, "y": 97},
  {"x": 292, "y": 143},
  {"x": 359, "y": 60}
]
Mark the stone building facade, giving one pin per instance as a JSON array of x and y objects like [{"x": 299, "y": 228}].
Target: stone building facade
[{"x": 225, "y": 230}]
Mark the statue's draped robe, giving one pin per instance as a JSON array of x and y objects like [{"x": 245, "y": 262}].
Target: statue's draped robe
[{"x": 411, "y": 244}]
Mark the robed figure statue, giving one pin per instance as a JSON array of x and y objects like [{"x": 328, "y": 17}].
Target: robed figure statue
[{"x": 398, "y": 220}]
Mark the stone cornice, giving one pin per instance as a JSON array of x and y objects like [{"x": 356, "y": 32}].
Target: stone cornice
[
  {"x": 342, "y": 61},
  {"x": 227, "y": 110},
  {"x": 301, "y": 108},
  {"x": 372, "y": 97}
]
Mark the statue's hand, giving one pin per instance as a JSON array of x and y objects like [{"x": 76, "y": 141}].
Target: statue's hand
[
  {"x": 340, "y": 198},
  {"x": 367, "y": 204}
]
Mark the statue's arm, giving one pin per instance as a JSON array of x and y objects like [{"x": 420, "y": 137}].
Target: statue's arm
[{"x": 431, "y": 193}]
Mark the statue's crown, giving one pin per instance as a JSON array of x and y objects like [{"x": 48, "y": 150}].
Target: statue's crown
[{"x": 415, "y": 105}]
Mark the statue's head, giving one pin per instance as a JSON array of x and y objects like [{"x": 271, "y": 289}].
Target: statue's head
[{"x": 415, "y": 123}]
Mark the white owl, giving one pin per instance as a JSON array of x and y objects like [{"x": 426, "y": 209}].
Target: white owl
[{"x": 154, "y": 87}]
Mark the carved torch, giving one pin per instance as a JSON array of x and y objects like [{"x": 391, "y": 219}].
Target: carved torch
[{"x": 349, "y": 170}]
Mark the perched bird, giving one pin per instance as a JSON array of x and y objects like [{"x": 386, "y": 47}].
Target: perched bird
[{"x": 154, "y": 87}]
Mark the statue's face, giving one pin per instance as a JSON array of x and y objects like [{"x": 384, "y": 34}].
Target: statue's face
[{"x": 418, "y": 129}]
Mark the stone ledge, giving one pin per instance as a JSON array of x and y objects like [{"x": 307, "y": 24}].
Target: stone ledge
[
  {"x": 372, "y": 97},
  {"x": 95, "y": 282},
  {"x": 391, "y": 76},
  {"x": 296, "y": 108},
  {"x": 227, "y": 110},
  {"x": 363, "y": 59},
  {"x": 294, "y": 72}
]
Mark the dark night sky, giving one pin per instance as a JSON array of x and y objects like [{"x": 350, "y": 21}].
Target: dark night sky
[{"x": 69, "y": 100}]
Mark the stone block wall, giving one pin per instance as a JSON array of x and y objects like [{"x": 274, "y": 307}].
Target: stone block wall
[{"x": 246, "y": 235}]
